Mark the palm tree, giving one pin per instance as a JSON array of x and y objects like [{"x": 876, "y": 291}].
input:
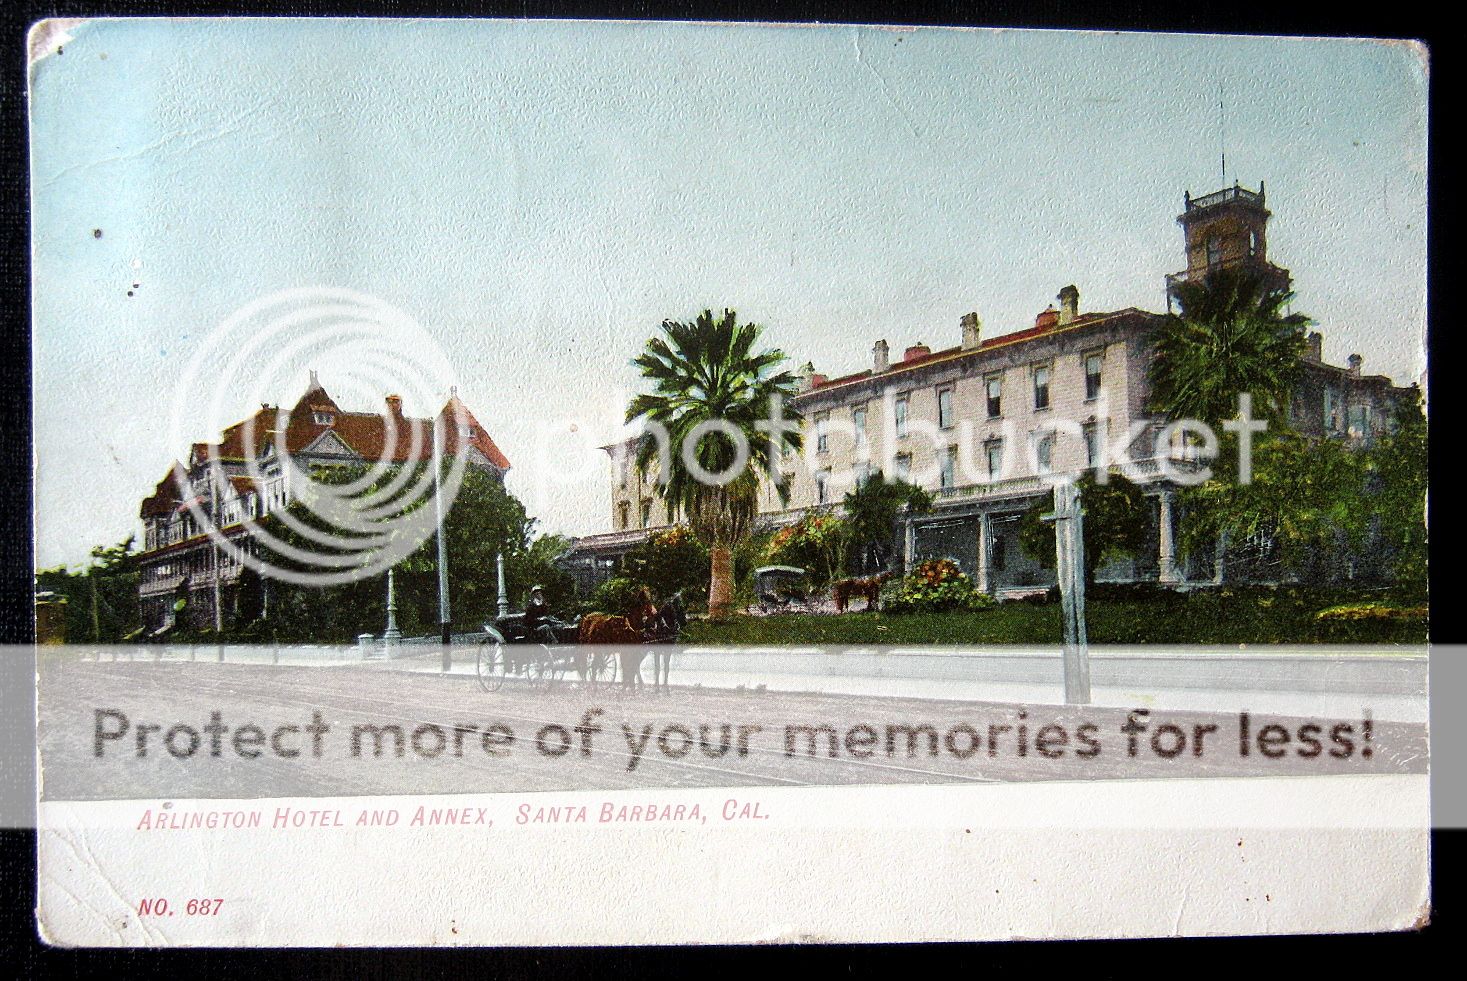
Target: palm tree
[
  {"x": 1231, "y": 337},
  {"x": 705, "y": 374},
  {"x": 871, "y": 510}
]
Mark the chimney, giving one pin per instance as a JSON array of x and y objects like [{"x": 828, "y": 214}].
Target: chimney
[
  {"x": 880, "y": 357},
  {"x": 803, "y": 376},
  {"x": 315, "y": 382},
  {"x": 1356, "y": 362},
  {"x": 394, "y": 406},
  {"x": 972, "y": 331},
  {"x": 1315, "y": 352},
  {"x": 1069, "y": 299},
  {"x": 1047, "y": 318},
  {"x": 918, "y": 350}
]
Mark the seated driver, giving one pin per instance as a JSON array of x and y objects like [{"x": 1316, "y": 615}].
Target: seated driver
[{"x": 539, "y": 623}]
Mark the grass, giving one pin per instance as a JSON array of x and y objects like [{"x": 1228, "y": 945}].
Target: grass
[{"x": 1198, "y": 620}]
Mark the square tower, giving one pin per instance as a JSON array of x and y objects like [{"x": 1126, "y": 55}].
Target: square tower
[{"x": 1227, "y": 229}]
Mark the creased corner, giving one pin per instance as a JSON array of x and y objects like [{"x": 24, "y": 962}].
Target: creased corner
[{"x": 47, "y": 37}]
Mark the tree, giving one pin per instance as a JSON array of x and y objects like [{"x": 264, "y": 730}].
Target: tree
[
  {"x": 1305, "y": 497},
  {"x": 1231, "y": 337},
  {"x": 1396, "y": 476},
  {"x": 484, "y": 521},
  {"x": 102, "y": 598},
  {"x": 1117, "y": 520},
  {"x": 669, "y": 561},
  {"x": 819, "y": 543},
  {"x": 871, "y": 515},
  {"x": 710, "y": 391}
]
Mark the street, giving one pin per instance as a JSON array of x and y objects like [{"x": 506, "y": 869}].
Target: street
[{"x": 141, "y": 730}]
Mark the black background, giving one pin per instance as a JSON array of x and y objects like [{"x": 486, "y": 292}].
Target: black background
[{"x": 1308, "y": 957}]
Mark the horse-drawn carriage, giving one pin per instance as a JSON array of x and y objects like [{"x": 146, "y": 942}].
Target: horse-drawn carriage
[
  {"x": 597, "y": 648},
  {"x": 781, "y": 587}
]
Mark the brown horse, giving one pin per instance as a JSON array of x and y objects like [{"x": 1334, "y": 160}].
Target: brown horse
[
  {"x": 627, "y": 634},
  {"x": 845, "y": 590}
]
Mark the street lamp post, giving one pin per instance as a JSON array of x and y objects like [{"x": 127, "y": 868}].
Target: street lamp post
[
  {"x": 445, "y": 622},
  {"x": 503, "y": 602},
  {"x": 391, "y": 635}
]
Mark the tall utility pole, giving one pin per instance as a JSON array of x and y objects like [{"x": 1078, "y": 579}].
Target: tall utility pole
[
  {"x": 214, "y": 548},
  {"x": 1069, "y": 544},
  {"x": 444, "y": 620}
]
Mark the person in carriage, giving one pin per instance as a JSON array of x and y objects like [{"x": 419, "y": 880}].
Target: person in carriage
[{"x": 540, "y": 624}]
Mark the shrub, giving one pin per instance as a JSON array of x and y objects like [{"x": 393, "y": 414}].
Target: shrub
[
  {"x": 615, "y": 596},
  {"x": 1372, "y": 621},
  {"x": 1129, "y": 592},
  {"x": 936, "y": 586},
  {"x": 817, "y": 543},
  {"x": 1370, "y": 611},
  {"x": 668, "y": 561}
]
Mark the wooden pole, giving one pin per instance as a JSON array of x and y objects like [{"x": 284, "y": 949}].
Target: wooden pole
[{"x": 1069, "y": 541}]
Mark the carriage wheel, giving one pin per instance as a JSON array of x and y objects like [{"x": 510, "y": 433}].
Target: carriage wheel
[
  {"x": 491, "y": 664},
  {"x": 602, "y": 669}
]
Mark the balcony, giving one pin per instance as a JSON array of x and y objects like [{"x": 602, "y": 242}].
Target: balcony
[
  {"x": 1181, "y": 459},
  {"x": 1265, "y": 269},
  {"x": 1234, "y": 193}
]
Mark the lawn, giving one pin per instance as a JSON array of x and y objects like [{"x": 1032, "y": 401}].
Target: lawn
[{"x": 1194, "y": 620}]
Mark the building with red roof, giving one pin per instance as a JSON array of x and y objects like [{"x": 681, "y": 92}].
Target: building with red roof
[
  {"x": 984, "y": 423},
  {"x": 244, "y": 476}
]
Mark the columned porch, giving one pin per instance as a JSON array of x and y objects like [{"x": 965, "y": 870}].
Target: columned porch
[{"x": 981, "y": 534}]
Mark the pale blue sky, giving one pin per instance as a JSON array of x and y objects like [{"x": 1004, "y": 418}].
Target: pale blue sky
[{"x": 541, "y": 195}]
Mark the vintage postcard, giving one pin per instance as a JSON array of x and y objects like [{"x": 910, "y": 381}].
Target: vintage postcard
[{"x": 516, "y": 483}]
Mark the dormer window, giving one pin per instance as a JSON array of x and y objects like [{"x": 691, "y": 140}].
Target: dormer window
[
  {"x": 1214, "y": 251},
  {"x": 323, "y": 418}
]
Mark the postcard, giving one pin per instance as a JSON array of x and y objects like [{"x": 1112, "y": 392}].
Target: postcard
[{"x": 508, "y": 483}]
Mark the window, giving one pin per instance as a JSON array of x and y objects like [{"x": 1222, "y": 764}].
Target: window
[
  {"x": 1044, "y": 453},
  {"x": 822, "y": 487},
  {"x": 626, "y": 514},
  {"x": 945, "y": 467},
  {"x": 1214, "y": 251},
  {"x": 945, "y": 407},
  {"x": 862, "y": 474},
  {"x": 646, "y": 514},
  {"x": 1041, "y": 387},
  {"x": 626, "y": 467},
  {"x": 1253, "y": 242},
  {"x": 993, "y": 388},
  {"x": 1360, "y": 427},
  {"x": 323, "y": 418},
  {"x": 1092, "y": 445},
  {"x": 900, "y": 416},
  {"x": 858, "y": 422},
  {"x": 996, "y": 556},
  {"x": 822, "y": 436},
  {"x": 1092, "y": 375},
  {"x": 1331, "y": 410},
  {"x": 993, "y": 454},
  {"x": 904, "y": 466}
]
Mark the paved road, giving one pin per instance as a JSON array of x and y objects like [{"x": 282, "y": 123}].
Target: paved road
[{"x": 645, "y": 740}]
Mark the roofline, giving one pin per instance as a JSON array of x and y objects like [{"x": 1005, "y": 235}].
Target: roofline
[{"x": 957, "y": 353}]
